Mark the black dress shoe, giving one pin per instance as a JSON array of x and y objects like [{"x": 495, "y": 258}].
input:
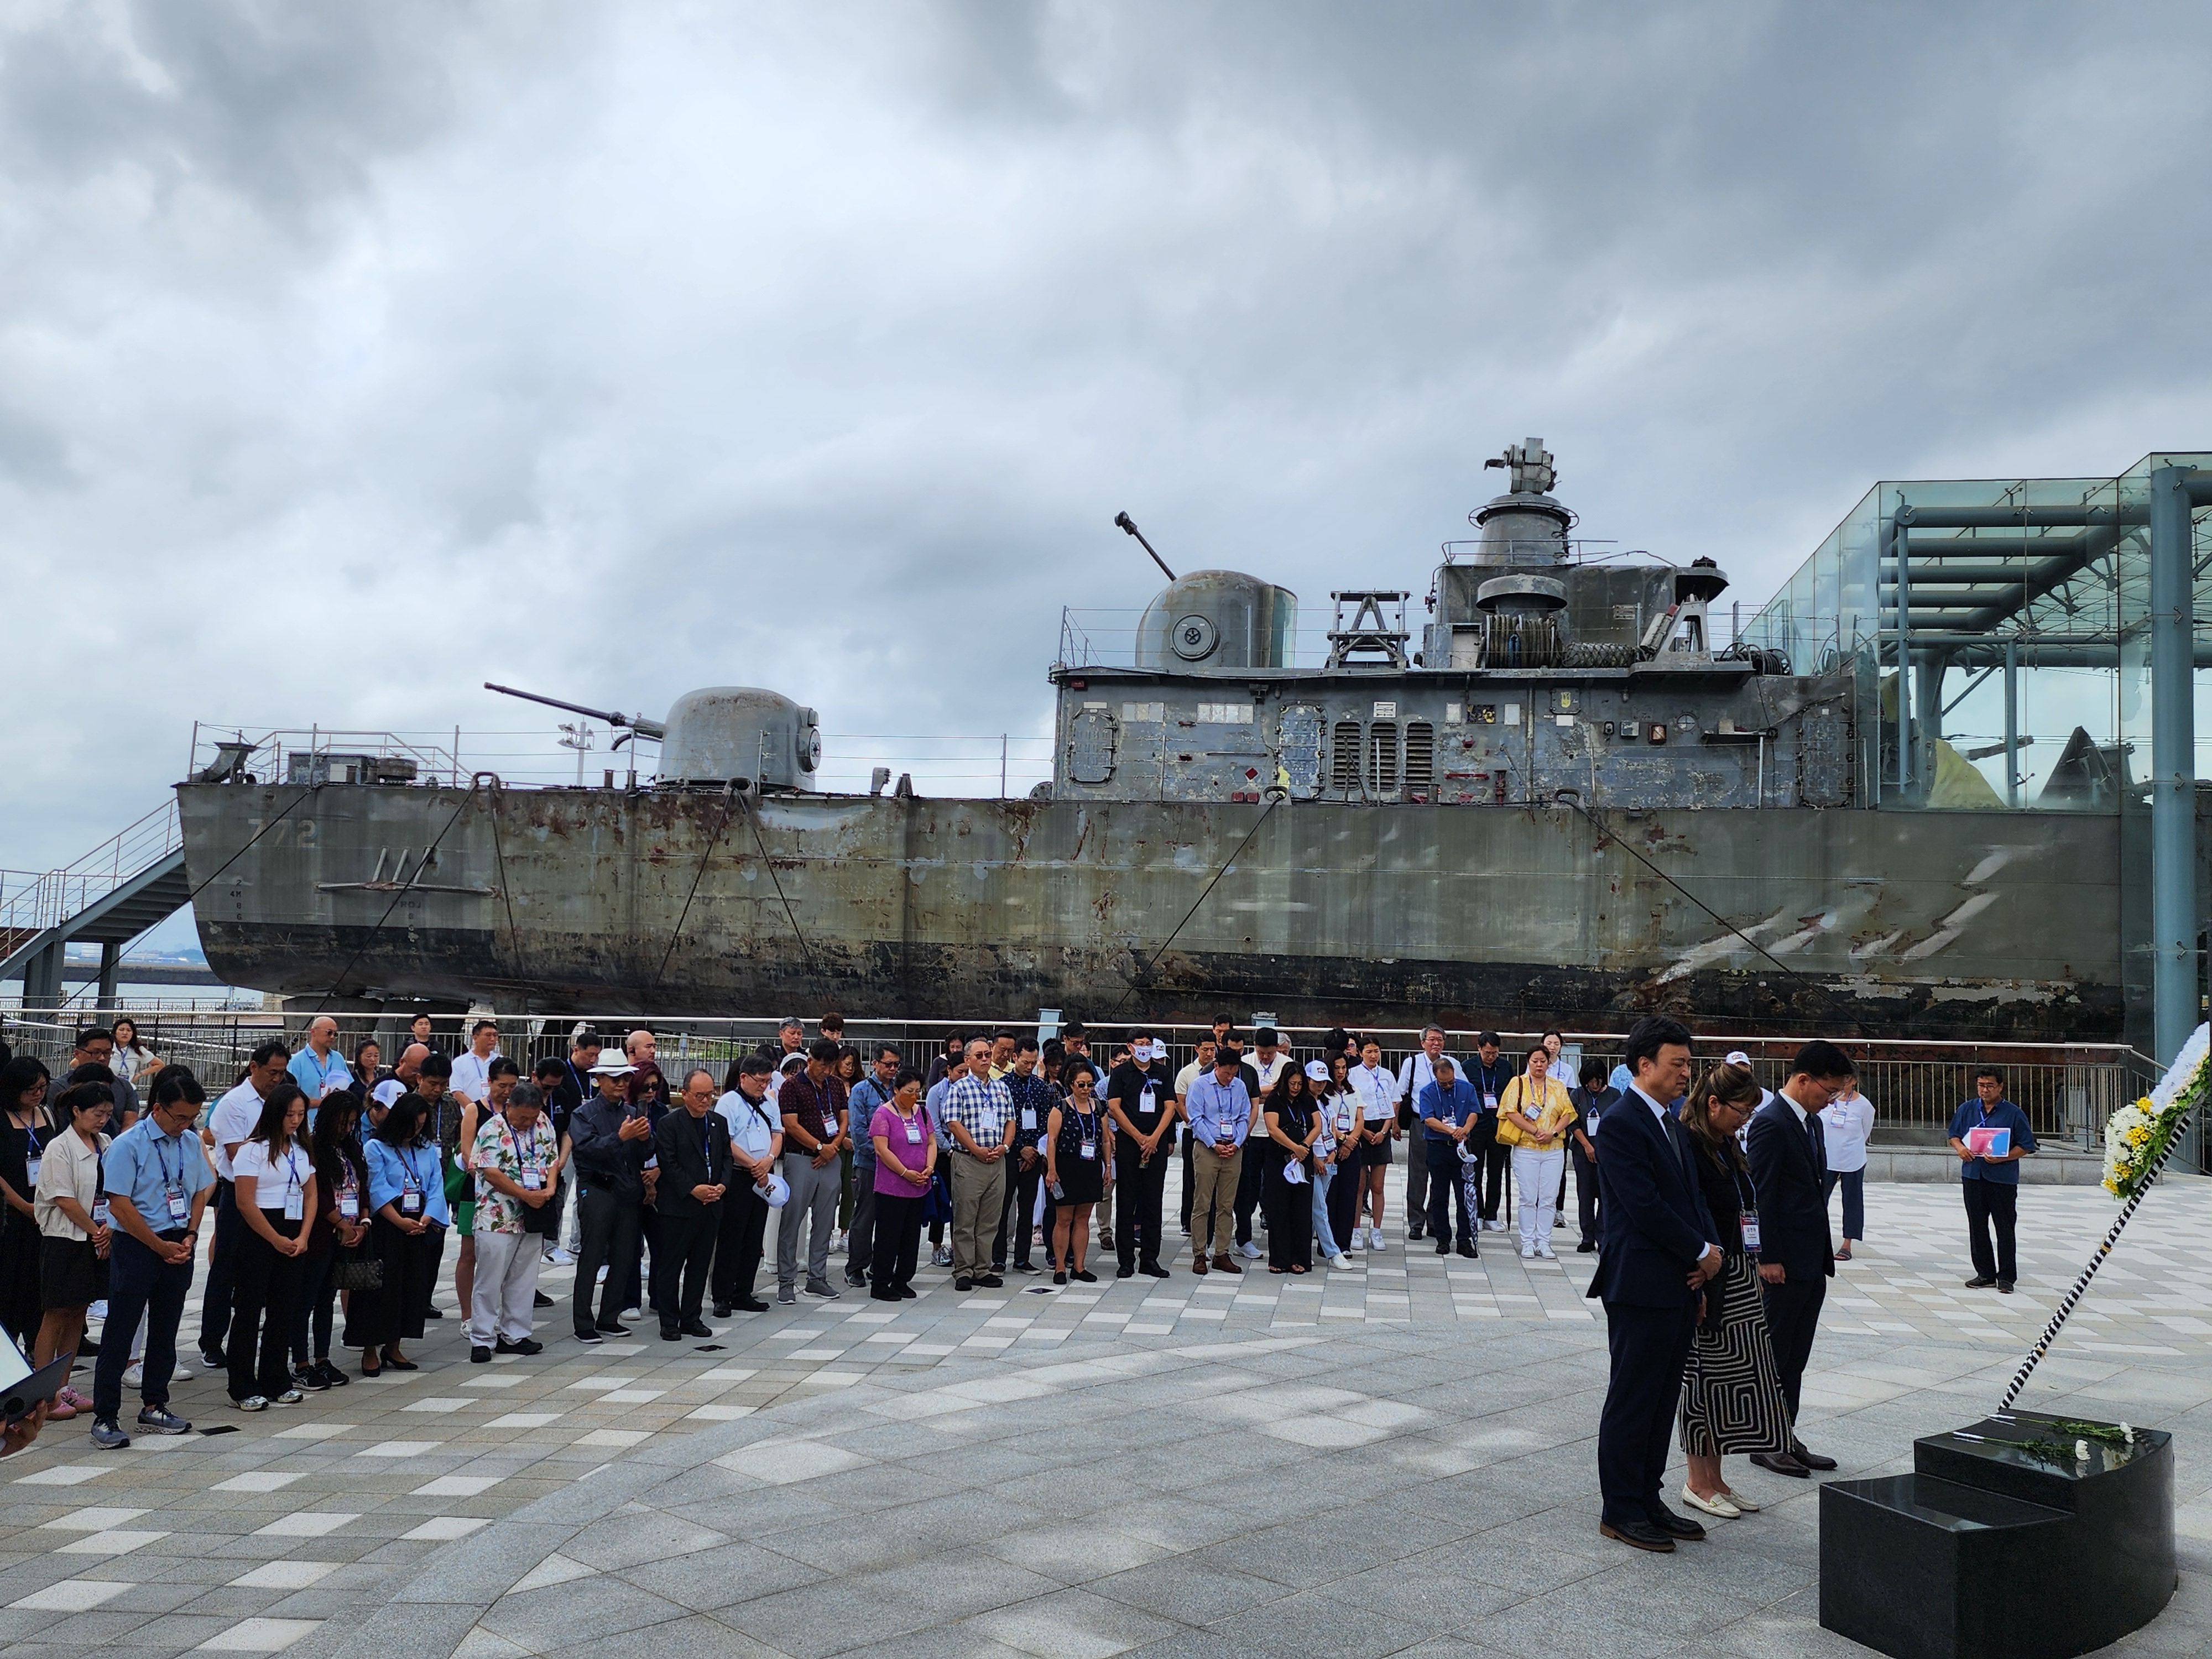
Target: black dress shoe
[
  {"x": 539, "y": 1299},
  {"x": 1638, "y": 1536},
  {"x": 1979, "y": 1283},
  {"x": 433, "y": 1313},
  {"x": 1811, "y": 1459},
  {"x": 750, "y": 1304},
  {"x": 1443, "y": 1249},
  {"x": 1467, "y": 1250},
  {"x": 721, "y": 1310},
  {"x": 1781, "y": 1463},
  {"x": 1586, "y": 1247},
  {"x": 670, "y": 1334},
  {"x": 1153, "y": 1270},
  {"x": 1675, "y": 1526},
  {"x": 610, "y": 1328},
  {"x": 480, "y": 1355},
  {"x": 695, "y": 1328},
  {"x": 2004, "y": 1287},
  {"x": 963, "y": 1285}
]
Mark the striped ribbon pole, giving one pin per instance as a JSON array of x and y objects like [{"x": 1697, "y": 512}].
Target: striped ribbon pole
[{"x": 2068, "y": 1303}]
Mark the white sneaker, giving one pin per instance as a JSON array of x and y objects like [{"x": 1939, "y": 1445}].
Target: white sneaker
[
  {"x": 1340, "y": 1260},
  {"x": 97, "y": 1310},
  {"x": 1251, "y": 1252},
  {"x": 134, "y": 1375},
  {"x": 560, "y": 1258},
  {"x": 1544, "y": 1252},
  {"x": 1527, "y": 1252},
  {"x": 180, "y": 1372},
  {"x": 1376, "y": 1241}
]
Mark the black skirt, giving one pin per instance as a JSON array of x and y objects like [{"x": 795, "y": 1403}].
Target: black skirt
[
  {"x": 70, "y": 1273},
  {"x": 1377, "y": 1153}
]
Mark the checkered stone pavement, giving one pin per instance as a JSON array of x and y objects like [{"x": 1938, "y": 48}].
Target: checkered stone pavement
[{"x": 1150, "y": 1465}]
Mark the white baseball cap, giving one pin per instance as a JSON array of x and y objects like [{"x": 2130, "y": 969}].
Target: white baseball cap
[
  {"x": 1737, "y": 1057},
  {"x": 776, "y": 1190}
]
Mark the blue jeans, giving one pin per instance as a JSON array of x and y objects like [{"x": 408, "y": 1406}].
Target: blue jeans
[
  {"x": 1854, "y": 1182},
  {"x": 139, "y": 1285},
  {"x": 1326, "y": 1244}
]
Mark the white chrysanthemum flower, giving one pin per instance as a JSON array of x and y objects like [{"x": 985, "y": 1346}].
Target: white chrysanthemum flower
[{"x": 2082, "y": 1450}]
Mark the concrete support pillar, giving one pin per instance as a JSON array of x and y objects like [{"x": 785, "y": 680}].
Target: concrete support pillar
[
  {"x": 2173, "y": 767},
  {"x": 42, "y": 979}
]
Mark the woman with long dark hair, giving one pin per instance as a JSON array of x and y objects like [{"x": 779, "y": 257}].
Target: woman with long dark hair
[
  {"x": 407, "y": 1200},
  {"x": 273, "y": 1183},
  {"x": 1074, "y": 1171},
  {"x": 1294, "y": 1123},
  {"x": 1732, "y": 1399},
  {"x": 72, "y": 1211},
  {"x": 23, "y": 1138},
  {"x": 338, "y": 1225}
]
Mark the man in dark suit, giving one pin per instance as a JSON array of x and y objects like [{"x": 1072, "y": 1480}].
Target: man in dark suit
[
  {"x": 693, "y": 1144},
  {"x": 1796, "y": 1258},
  {"x": 1655, "y": 1251}
]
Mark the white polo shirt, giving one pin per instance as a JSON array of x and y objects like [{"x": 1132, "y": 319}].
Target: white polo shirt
[{"x": 231, "y": 1123}]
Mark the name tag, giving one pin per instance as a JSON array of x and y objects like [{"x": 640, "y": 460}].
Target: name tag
[
  {"x": 1089, "y": 1149},
  {"x": 1490, "y": 1103},
  {"x": 177, "y": 1207},
  {"x": 1751, "y": 1231},
  {"x": 410, "y": 1202},
  {"x": 914, "y": 1134},
  {"x": 532, "y": 1182},
  {"x": 350, "y": 1204},
  {"x": 1029, "y": 1117},
  {"x": 295, "y": 1203},
  {"x": 1144, "y": 1105},
  {"x": 653, "y": 1163},
  {"x": 1343, "y": 1123},
  {"x": 100, "y": 1212},
  {"x": 31, "y": 1168}
]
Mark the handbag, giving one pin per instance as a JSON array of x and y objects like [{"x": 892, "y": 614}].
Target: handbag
[
  {"x": 1509, "y": 1127},
  {"x": 357, "y": 1269}
]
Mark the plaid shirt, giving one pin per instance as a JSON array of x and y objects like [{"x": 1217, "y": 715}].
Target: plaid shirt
[
  {"x": 814, "y": 1110},
  {"x": 983, "y": 1108},
  {"x": 1031, "y": 1093}
]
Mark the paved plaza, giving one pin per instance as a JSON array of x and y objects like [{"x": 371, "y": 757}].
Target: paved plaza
[{"x": 1394, "y": 1460}]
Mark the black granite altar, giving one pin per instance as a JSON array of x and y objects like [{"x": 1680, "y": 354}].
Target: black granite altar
[{"x": 1993, "y": 1551}]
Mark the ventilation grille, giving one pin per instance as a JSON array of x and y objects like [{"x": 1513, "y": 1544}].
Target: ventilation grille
[
  {"x": 1344, "y": 755},
  {"x": 1382, "y": 757},
  {"x": 1420, "y": 756}
]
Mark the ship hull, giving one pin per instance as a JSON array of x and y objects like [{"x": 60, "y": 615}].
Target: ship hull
[{"x": 1996, "y": 925}]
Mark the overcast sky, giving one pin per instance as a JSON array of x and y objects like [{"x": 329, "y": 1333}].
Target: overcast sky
[{"x": 351, "y": 355}]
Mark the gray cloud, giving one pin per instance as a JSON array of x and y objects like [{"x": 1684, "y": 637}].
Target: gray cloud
[{"x": 353, "y": 356}]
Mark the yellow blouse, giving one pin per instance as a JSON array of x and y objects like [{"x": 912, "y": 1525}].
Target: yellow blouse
[{"x": 1559, "y": 1108}]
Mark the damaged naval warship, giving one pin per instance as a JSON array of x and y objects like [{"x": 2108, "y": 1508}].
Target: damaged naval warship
[{"x": 1556, "y": 800}]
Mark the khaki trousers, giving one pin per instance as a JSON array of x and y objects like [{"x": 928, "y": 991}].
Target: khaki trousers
[
  {"x": 978, "y": 1193},
  {"x": 1213, "y": 1194}
]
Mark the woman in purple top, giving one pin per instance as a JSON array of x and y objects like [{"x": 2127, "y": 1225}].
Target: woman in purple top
[{"x": 906, "y": 1163}]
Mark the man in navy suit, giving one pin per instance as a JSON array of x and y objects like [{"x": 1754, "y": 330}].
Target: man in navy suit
[
  {"x": 1655, "y": 1251},
  {"x": 1796, "y": 1258}
]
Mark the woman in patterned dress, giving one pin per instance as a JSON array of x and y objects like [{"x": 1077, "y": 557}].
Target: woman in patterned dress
[{"x": 1732, "y": 1398}]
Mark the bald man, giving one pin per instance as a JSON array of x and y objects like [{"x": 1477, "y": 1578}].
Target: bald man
[{"x": 318, "y": 1068}]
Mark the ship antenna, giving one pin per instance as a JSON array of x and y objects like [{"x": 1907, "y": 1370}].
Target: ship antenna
[{"x": 1123, "y": 521}]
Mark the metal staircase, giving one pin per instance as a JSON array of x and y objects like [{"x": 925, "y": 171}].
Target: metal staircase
[{"x": 128, "y": 884}]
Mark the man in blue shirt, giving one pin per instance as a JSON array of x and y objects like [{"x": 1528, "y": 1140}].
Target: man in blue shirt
[
  {"x": 158, "y": 1186},
  {"x": 1449, "y": 1108},
  {"x": 1989, "y": 1180},
  {"x": 871, "y": 1092},
  {"x": 1219, "y": 1109},
  {"x": 317, "y": 1067}
]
